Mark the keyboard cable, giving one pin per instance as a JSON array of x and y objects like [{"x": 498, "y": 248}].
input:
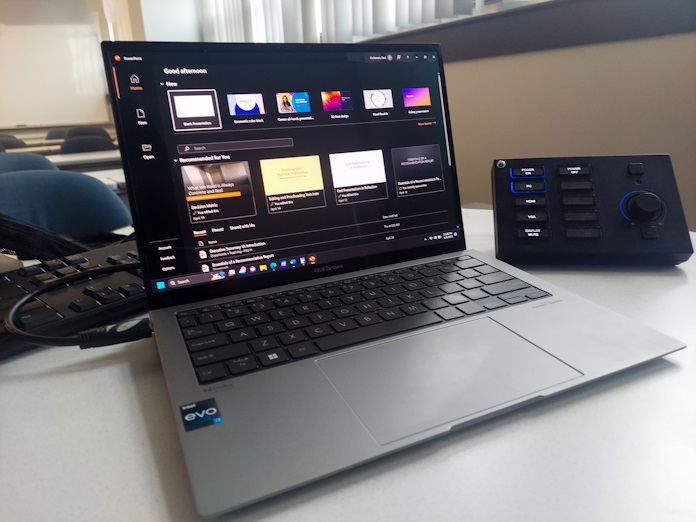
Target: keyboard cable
[{"x": 123, "y": 332}]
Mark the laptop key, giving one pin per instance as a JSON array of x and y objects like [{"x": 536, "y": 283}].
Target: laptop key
[
  {"x": 245, "y": 334},
  {"x": 273, "y": 357},
  {"x": 485, "y": 269},
  {"x": 206, "y": 343},
  {"x": 368, "y": 319},
  {"x": 495, "y": 277},
  {"x": 376, "y": 331},
  {"x": 449, "y": 313},
  {"x": 211, "y": 373},
  {"x": 298, "y": 351},
  {"x": 296, "y": 322},
  {"x": 292, "y": 337},
  {"x": 343, "y": 325},
  {"x": 413, "y": 309},
  {"x": 505, "y": 287},
  {"x": 263, "y": 344},
  {"x": 220, "y": 354},
  {"x": 198, "y": 331},
  {"x": 471, "y": 308},
  {"x": 242, "y": 365},
  {"x": 391, "y": 314},
  {"x": 321, "y": 330}
]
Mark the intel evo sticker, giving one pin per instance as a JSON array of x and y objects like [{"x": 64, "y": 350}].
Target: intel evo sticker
[{"x": 200, "y": 414}]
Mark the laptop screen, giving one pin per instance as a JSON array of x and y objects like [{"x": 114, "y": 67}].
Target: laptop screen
[{"x": 255, "y": 165}]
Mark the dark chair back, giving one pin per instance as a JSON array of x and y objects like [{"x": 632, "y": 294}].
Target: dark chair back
[
  {"x": 10, "y": 142},
  {"x": 86, "y": 144},
  {"x": 86, "y": 130},
  {"x": 56, "y": 134}
]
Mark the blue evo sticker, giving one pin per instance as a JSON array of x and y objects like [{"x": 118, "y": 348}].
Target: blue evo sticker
[{"x": 200, "y": 414}]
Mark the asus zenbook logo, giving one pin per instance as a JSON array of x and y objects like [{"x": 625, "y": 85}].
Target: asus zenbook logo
[
  {"x": 330, "y": 268},
  {"x": 200, "y": 414}
]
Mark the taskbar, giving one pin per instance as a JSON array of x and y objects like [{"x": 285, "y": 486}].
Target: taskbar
[{"x": 265, "y": 264}]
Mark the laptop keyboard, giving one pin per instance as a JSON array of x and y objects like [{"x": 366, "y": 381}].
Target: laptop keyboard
[{"x": 239, "y": 337}]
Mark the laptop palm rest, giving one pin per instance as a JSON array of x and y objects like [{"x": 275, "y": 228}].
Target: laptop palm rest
[{"x": 403, "y": 387}]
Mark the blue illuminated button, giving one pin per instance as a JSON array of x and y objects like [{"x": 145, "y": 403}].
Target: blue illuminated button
[
  {"x": 527, "y": 172},
  {"x": 529, "y": 186}
]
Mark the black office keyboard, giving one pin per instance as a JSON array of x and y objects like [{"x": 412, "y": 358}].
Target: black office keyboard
[
  {"x": 75, "y": 307},
  {"x": 235, "y": 338}
]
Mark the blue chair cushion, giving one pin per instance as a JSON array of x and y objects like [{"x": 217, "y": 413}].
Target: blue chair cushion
[
  {"x": 66, "y": 203},
  {"x": 15, "y": 161}
]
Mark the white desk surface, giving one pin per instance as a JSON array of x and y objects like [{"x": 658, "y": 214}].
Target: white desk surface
[
  {"x": 80, "y": 161},
  {"x": 90, "y": 435}
]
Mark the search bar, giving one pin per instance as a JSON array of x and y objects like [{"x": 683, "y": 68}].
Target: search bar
[{"x": 227, "y": 146}]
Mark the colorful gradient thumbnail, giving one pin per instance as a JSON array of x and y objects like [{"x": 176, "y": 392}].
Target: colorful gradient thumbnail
[
  {"x": 417, "y": 97},
  {"x": 337, "y": 100}
]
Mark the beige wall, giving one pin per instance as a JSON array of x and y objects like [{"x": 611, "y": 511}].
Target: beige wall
[{"x": 631, "y": 97}]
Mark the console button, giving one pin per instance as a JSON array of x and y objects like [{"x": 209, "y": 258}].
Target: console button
[
  {"x": 580, "y": 170},
  {"x": 532, "y": 217},
  {"x": 531, "y": 201},
  {"x": 529, "y": 186},
  {"x": 576, "y": 185},
  {"x": 589, "y": 216},
  {"x": 583, "y": 233},
  {"x": 649, "y": 232},
  {"x": 526, "y": 172},
  {"x": 579, "y": 201},
  {"x": 644, "y": 206},
  {"x": 533, "y": 233},
  {"x": 636, "y": 169}
]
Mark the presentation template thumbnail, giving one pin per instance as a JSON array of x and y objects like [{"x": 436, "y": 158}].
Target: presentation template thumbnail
[
  {"x": 289, "y": 102},
  {"x": 378, "y": 99},
  {"x": 194, "y": 110},
  {"x": 242, "y": 104},
  {"x": 417, "y": 97},
  {"x": 358, "y": 176},
  {"x": 218, "y": 191},
  {"x": 418, "y": 170},
  {"x": 337, "y": 100},
  {"x": 293, "y": 183}
]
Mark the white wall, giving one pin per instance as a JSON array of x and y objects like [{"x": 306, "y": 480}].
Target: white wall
[{"x": 171, "y": 20}]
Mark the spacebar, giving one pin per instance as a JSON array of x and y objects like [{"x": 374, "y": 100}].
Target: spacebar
[{"x": 368, "y": 333}]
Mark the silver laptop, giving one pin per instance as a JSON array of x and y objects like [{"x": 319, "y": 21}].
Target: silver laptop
[{"x": 313, "y": 302}]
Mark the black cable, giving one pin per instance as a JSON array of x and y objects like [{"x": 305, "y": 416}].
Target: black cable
[{"x": 101, "y": 336}]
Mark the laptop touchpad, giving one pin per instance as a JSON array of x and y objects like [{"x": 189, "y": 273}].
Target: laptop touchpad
[{"x": 403, "y": 387}]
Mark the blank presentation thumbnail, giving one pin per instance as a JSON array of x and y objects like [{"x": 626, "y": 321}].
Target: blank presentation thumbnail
[
  {"x": 194, "y": 109},
  {"x": 417, "y": 97},
  {"x": 378, "y": 99},
  {"x": 194, "y": 106},
  {"x": 350, "y": 169},
  {"x": 242, "y": 104}
]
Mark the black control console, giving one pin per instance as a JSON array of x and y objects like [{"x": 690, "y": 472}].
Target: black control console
[{"x": 611, "y": 210}]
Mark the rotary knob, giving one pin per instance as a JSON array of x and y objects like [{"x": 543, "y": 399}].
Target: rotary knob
[{"x": 643, "y": 206}]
